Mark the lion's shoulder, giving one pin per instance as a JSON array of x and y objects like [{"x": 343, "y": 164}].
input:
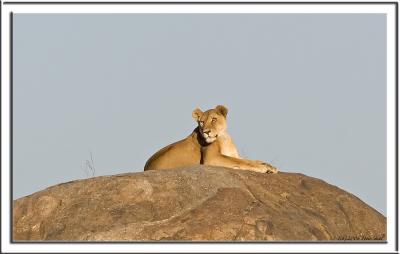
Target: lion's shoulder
[{"x": 227, "y": 147}]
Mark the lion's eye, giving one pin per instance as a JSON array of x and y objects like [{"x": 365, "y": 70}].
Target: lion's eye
[
  {"x": 213, "y": 120},
  {"x": 201, "y": 123}
]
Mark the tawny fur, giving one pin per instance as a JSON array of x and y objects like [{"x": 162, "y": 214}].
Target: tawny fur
[{"x": 208, "y": 144}]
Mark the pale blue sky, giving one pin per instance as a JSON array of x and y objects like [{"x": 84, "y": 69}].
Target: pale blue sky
[{"x": 306, "y": 92}]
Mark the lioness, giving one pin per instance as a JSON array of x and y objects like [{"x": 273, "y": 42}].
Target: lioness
[{"x": 208, "y": 144}]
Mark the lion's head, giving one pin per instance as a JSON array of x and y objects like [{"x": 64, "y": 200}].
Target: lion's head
[{"x": 212, "y": 123}]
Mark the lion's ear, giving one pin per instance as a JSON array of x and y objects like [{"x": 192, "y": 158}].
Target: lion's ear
[
  {"x": 196, "y": 114},
  {"x": 222, "y": 109}
]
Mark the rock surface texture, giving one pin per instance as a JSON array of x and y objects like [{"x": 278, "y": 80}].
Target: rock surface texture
[{"x": 196, "y": 204}]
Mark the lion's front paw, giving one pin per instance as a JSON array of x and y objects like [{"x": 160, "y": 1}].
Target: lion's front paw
[
  {"x": 268, "y": 168},
  {"x": 271, "y": 170}
]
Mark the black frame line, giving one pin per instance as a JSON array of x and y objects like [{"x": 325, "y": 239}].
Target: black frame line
[
  {"x": 1, "y": 121},
  {"x": 396, "y": 149},
  {"x": 211, "y": 241},
  {"x": 198, "y": 2},
  {"x": 203, "y": 3},
  {"x": 11, "y": 117}
]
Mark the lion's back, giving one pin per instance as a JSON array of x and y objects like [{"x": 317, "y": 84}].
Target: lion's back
[{"x": 179, "y": 154}]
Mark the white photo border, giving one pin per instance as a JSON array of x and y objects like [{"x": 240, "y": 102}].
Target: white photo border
[{"x": 10, "y": 8}]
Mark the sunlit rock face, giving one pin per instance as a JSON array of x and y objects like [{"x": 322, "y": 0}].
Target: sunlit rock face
[{"x": 197, "y": 203}]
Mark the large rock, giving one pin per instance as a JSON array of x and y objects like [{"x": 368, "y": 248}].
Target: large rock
[{"x": 197, "y": 203}]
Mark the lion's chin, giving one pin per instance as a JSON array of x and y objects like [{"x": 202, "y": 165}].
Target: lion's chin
[{"x": 210, "y": 139}]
